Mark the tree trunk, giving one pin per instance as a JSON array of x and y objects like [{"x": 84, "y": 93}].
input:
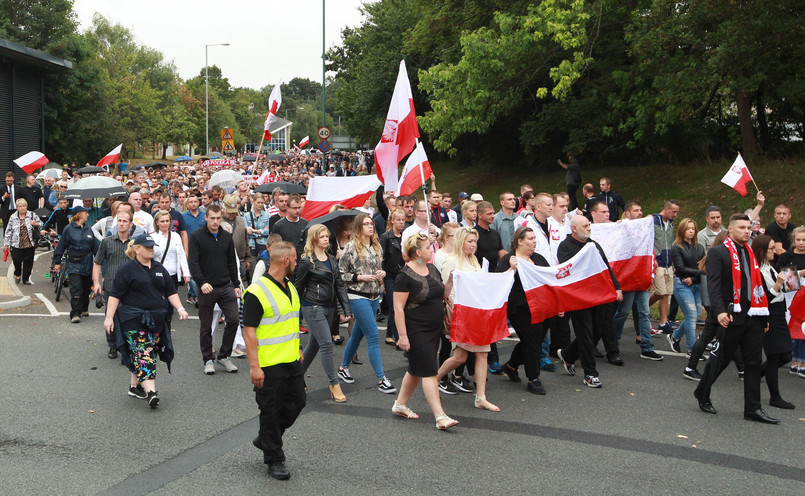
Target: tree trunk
[
  {"x": 764, "y": 141},
  {"x": 745, "y": 122},
  {"x": 164, "y": 150}
]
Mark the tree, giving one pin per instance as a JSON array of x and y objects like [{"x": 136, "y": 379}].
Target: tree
[{"x": 39, "y": 24}]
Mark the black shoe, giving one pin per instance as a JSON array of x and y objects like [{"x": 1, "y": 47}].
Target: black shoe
[
  {"x": 461, "y": 383},
  {"x": 692, "y": 375},
  {"x": 535, "y": 386},
  {"x": 278, "y": 471},
  {"x": 511, "y": 372},
  {"x": 256, "y": 443},
  {"x": 112, "y": 353},
  {"x": 152, "y": 399},
  {"x": 137, "y": 392},
  {"x": 781, "y": 403},
  {"x": 446, "y": 387},
  {"x": 760, "y": 416},
  {"x": 674, "y": 343},
  {"x": 651, "y": 355},
  {"x": 704, "y": 404},
  {"x": 615, "y": 360}
]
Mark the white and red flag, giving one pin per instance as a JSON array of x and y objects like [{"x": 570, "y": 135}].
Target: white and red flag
[
  {"x": 324, "y": 192},
  {"x": 479, "y": 308},
  {"x": 399, "y": 133},
  {"x": 110, "y": 157},
  {"x": 417, "y": 170},
  {"x": 304, "y": 142},
  {"x": 795, "y": 313},
  {"x": 31, "y": 161},
  {"x": 579, "y": 283},
  {"x": 629, "y": 247},
  {"x": 274, "y": 102},
  {"x": 738, "y": 175}
]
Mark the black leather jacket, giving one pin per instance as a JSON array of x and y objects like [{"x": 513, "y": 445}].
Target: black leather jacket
[
  {"x": 319, "y": 285},
  {"x": 686, "y": 261}
]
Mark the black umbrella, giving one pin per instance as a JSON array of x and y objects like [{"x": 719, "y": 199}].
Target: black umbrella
[
  {"x": 92, "y": 169},
  {"x": 331, "y": 221},
  {"x": 95, "y": 187},
  {"x": 289, "y": 188},
  {"x": 276, "y": 156},
  {"x": 249, "y": 158},
  {"x": 336, "y": 152},
  {"x": 156, "y": 164}
]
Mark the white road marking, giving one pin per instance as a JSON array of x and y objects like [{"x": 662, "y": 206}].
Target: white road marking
[{"x": 48, "y": 304}]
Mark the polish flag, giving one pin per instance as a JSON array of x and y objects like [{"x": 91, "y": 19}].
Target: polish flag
[
  {"x": 579, "y": 283},
  {"x": 110, "y": 157},
  {"x": 629, "y": 247},
  {"x": 324, "y": 192},
  {"x": 479, "y": 308},
  {"x": 274, "y": 102},
  {"x": 399, "y": 133},
  {"x": 417, "y": 170},
  {"x": 304, "y": 142},
  {"x": 31, "y": 161},
  {"x": 795, "y": 313},
  {"x": 738, "y": 175}
]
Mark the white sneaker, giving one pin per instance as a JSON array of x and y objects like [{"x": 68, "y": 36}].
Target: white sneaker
[
  {"x": 209, "y": 367},
  {"x": 228, "y": 365}
]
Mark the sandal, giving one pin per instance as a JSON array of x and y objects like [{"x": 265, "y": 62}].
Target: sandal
[
  {"x": 338, "y": 340},
  {"x": 481, "y": 403},
  {"x": 403, "y": 411},
  {"x": 443, "y": 422},
  {"x": 390, "y": 341}
]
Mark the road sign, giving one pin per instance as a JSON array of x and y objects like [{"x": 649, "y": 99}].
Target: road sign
[
  {"x": 324, "y": 132},
  {"x": 226, "y": 134},
  {"x": 324, "y": 145},
  {"x": 228, "y": 146},
  {"x": 227, "y": 140}
]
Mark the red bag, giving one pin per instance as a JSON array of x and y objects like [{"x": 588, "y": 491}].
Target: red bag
[{"x": 5, "y": 254}]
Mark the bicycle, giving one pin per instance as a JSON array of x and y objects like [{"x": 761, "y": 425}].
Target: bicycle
[{"x": 61, "y": 279}]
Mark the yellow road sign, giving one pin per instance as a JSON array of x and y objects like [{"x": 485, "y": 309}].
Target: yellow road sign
[{"x": 226, "y": 134}]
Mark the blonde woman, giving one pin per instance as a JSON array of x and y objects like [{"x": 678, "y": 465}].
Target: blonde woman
[
  {"x": 321, "y": 290},
  {"x": 446, "y": 238},
  {"x": 103, "y": 226},
  {"x": 361, "y": 270},
  {"x": 469, "y": 213},
  {"x": 169, "y": 250},
  {"x": 685, "y": 255},
  {"x": 463, "y": 258}
]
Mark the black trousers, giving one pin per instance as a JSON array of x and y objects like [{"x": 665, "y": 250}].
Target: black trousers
[
  {"x": 748, "y": 335},
  {"x": 707, "y": 335},
  {"x": 110, "y": 336},
  {"x": 604, "y": 327},
  {"x": 583, "y": 346},
  {"x": 281, "y": 400},
  {"x": 80, "y": 288},
  {"x": 571, "y": 191},
  {"x": 23, "y": 259},
  {"x": 226, "y": 299},
  {"x": 528, "y": 351},
  {"x": 560, "y": 332}
]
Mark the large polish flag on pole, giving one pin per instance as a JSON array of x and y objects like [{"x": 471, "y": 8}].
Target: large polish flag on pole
[
  {"x": 581, "y": 282},
  {"x": 738, "y": 175},
  {"x": 629, "y": 247},
  {"x": 417, "y": 170},
  {"x": 399, "y": 133},
  {"x": 274, "y": 102},
  {"x": 31, "y": 161},
  {"x": 110, "y": 157},
  {"x": 479, "y": 308},
  {"x": 324, "y": 192}
]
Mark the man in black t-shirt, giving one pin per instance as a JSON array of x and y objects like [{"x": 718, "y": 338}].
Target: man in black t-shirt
[
  {"x": 490, "y": 246},
  {"x": 780, "y": 229}
]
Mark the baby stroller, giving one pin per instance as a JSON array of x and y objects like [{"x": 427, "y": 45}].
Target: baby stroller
[{"x": 47, "y": 241}]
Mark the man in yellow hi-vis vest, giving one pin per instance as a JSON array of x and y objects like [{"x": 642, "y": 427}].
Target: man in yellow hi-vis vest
[{"x": 271, "y": 330}]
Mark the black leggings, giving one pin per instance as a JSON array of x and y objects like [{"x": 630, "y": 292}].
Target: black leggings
[{"x": 770, "y": 368}]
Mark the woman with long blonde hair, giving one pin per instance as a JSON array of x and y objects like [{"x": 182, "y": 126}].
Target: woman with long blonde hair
[{"x": 685, "y": 255}]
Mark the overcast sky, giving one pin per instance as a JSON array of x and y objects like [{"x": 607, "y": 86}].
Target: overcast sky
[{"x": 269, "y": 39}]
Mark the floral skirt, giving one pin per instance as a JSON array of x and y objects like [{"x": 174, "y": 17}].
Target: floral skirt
[{"x": 142, "y": 346}]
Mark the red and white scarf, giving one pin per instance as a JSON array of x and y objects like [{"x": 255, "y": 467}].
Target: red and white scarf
[{"x": 758, "y": 305}]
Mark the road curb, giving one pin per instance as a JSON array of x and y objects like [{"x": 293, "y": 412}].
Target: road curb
[{"x": 22, "y": 301}]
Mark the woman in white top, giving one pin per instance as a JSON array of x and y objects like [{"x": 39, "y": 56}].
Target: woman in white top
[
  {"x": 103, "y": 226},
  {"x": 463, "y": 258},
  {"x": 169, "y": 250},
  {"x": 446, "y": 238},
  {"x": 469, "y": 213}
]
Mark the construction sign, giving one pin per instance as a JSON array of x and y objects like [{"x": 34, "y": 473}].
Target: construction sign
[{"x": 227, "y": 140}]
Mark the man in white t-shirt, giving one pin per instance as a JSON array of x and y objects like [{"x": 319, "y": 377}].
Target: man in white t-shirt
[
  {"x": 421, "y": 225},
  {"x": 141, "y": 218}
]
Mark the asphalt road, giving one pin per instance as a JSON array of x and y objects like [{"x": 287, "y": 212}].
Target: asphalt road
[{"x": 68, "y": 427}]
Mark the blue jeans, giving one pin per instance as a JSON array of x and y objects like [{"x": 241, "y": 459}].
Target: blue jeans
[
  {"x": 641, "y": 299},
  {"x": 690, "y": 299},
  {"x": 546, "y": 346},
  {"x": 192, "y": 289},
  {"x": 365, "y": 325},
  {"x": 798, "y": 346}
]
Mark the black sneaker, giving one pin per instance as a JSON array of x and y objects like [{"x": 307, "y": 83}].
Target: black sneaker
[
  {"x": 511, "y": 372},
  {"x": 692, "y": 375},
  {"x": 666, "y": 328},
  {"x": 535, "y": 386},
  {"x": 278, "y": 471},
  {"x": 592, "y": 381},
  {"x": 447, "y": 387},
  {"x": 569, "y": 367},
  {"x": 385, "y": 386},
  {"x": 137, "y": 392},
  {"x": 674, "y": 343},
  {"x": 153, "y": 399},
  {"x": 461, "y": 383},
  {"x": 650, "y": 355},
  {"x": 343, "y": 374}
]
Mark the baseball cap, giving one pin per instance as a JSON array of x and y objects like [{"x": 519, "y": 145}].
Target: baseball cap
[
  {"x": 76, "y": 210},
  {"x": 144, "y": 240},
  {"x": 463, "y": 195},
  {"x": 231, "y": 203},
  {"x": 476, "y": 197}
]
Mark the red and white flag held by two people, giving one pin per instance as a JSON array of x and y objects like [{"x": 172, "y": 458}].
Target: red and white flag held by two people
[
  {"x": 795, "y": 313},
  {"x": 579, "y": 283},
  {"x": 31, "y": 161},
  {"x": 324, "y": 192},
  {"x": 629, "y": 247},
  {"x": 399, "y": 133},
  {"x": 274, "y": 102},
  {"x": 479, "y": 308},
  {"x": 304, "y": 142},
  {"x": 417, "y": 170},
  {"x": 738, "y": 176},
  {"x": 110, "y": 157}
]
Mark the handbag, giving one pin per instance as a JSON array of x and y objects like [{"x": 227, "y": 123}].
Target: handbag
[
  {"x": 448, "y": 315},
  {"x": 35, "y": 234}
]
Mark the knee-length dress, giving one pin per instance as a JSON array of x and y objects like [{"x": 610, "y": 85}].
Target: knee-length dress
[{"x": 424, "y": 316}]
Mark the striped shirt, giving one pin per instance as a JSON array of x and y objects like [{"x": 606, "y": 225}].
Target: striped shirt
[{"x": 113, "y": 252}]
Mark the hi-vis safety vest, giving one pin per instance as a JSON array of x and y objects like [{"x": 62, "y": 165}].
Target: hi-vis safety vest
[{"x": 278, "y": 332}]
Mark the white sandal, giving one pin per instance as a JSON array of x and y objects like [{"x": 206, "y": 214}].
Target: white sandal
[
  {"x": 403, "y": 411},
  {"x": 450, "y": 422}
]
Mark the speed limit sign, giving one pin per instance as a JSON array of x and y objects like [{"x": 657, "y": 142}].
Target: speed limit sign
[{"x": 324, "y": 132}]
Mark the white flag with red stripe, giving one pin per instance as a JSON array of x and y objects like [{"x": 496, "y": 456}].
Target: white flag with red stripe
[
  {"x": 795, "y": 313},
  {"x": 579, "y": 283},
  {"x": 110, "y": 157},
  {"x": 324, "y": 192},
  {"x": 31, "y": 161},
  {"x": 399, "y": 132},
  {"x": 629, "y": 247},
  {"x": 738, "y": 175},
  {"x": 417, "y": 170},
  {"x": 479, "y": 307},
  {"x": 274, "y": 102},
  {"x": 304, "y": 142}
]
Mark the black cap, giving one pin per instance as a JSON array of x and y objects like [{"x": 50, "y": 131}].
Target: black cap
[
  {"x": 78, "y": 209},
  {"x": 144, "y": 240}
]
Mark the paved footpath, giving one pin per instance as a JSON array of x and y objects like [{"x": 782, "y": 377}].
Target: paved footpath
[{"x": 68, "y": 427}]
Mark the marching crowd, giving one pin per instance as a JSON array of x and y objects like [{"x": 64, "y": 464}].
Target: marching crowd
[{"x": 253, "y": 266}]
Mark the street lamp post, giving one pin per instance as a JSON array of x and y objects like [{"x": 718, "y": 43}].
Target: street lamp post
[
  {"x": 207, "y": 93},
  {"x": 297, "y": 108}
]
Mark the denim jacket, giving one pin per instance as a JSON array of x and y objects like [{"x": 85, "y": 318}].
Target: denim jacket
[{"x": 257, "y": 222}]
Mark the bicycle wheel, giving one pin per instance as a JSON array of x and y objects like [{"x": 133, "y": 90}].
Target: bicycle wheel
[{"x": 60, "y": 282}]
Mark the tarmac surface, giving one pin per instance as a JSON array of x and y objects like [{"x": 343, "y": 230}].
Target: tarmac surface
[{"x": 67, "y": 426}]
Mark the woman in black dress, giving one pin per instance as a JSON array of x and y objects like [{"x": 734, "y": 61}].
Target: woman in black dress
[{"x": 419, "y": 315}]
